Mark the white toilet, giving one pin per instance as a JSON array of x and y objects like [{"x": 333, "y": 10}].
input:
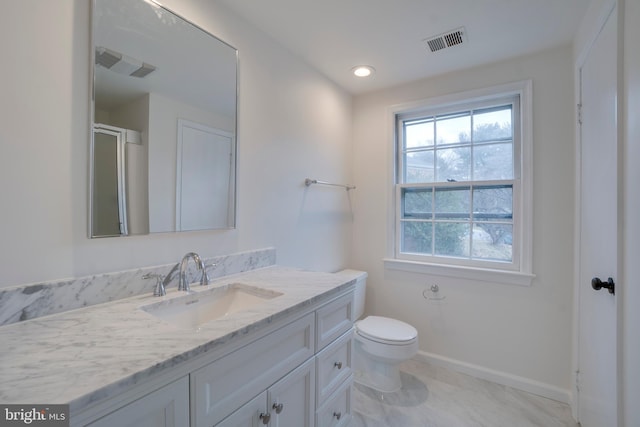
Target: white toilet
[{"x": 381, "y": 344}]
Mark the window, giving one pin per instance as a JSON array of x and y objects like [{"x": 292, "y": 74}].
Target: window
[{"x": 461, "y": 199}]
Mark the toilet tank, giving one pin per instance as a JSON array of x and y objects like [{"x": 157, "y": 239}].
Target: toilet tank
[{"x": 359, "y": 295}]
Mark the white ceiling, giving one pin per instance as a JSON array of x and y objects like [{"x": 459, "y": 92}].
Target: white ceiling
[{"x": 335, "y": 35}]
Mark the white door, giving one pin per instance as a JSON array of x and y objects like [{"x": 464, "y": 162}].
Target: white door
[{"x": 597, "y": 347}]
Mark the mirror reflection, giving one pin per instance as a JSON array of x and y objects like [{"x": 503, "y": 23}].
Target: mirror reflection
[{"x": 163, "y": 141}]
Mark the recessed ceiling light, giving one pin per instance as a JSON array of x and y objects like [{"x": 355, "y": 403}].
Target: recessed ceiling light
[{"x": 363, "y": 70}]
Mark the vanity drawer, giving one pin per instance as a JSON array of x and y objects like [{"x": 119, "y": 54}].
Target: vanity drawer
[
  {"x": 223, "y": 386},
  {"x": 333, "y": 366},
  {"x": 334, "y": 319},
  {"x": 336, "y": 411}
]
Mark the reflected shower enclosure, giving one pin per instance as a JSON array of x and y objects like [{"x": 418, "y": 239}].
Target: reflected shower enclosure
[{"x": 117, "y": 189}]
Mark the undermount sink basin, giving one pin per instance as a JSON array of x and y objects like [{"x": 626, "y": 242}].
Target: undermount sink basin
[{"x": 192, "y": 310}]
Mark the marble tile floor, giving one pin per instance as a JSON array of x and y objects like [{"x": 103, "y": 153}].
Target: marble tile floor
[{"x": 432, "y": 396}]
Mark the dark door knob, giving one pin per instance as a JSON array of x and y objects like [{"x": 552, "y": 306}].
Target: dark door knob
[{"x": 598, "y": 284}]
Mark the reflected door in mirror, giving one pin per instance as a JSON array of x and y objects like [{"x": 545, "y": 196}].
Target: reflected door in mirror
[{"x": 203, "y": 177}]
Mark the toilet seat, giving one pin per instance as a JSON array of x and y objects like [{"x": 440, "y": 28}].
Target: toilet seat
[{"x": 386, "y": 331}]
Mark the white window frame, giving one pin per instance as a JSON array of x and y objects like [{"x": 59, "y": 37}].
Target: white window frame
[{"x": 519, "y": 272}]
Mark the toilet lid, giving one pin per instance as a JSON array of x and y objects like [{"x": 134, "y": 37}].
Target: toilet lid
[{"x": 383, "y": 328}]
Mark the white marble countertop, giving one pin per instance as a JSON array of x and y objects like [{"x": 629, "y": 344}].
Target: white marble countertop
[{"x": 81, "y": 356}]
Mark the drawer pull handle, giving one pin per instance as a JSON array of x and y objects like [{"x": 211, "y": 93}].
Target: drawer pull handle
[
  {"x": 265, "y": 418},
  {"x": 278, "y": 407},
  {"x": 338, "y": 415},
  {"x": 338, "y": 365}
]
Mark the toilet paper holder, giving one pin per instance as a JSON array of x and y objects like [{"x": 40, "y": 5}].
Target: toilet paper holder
[{"x": 434, "y": 289}]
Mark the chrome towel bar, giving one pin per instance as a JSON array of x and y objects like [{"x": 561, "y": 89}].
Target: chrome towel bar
[{"x": 309, "y": 181}]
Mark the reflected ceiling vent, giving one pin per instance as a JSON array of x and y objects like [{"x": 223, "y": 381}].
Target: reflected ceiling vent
[
  {"x": 122, "y": 64},
  {"x": 445, "y": 40}
]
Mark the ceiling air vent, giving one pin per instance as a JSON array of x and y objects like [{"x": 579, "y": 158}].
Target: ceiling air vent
[
  {"x": 448, "y": 39},
  {"x": 122, "y": 64},
  {"x": 107, "y": 57}
]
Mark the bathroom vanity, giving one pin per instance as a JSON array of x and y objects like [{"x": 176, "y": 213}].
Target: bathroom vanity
[{"x": 283, "y": 361}]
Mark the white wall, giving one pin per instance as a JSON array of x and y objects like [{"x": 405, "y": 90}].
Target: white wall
[
  {"x": 520, "y": 332},
  {"x": 292, "y": 123}
]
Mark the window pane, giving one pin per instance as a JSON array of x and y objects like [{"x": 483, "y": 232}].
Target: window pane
[
  {"x": 493, "y": 161},
  {"x": 456, "y": 176},
  {"x": 416, "y": 237},
  {"x": 452, "y": 239},
  {"x": 418, "y": 167},
  {"x": 493, "y": 241},
  {"x": 493, "y": 203},
  {"x": 453, "y": 128},
  {"x": 453, "y": 164},
  {"x": 418, "y": 134},
  {"x": 492, "y": 124},
  {"x": 417, "y": 203},
  {"x": 453, "y": 203}
]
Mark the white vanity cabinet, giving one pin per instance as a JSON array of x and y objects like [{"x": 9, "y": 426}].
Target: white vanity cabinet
[
  {"x": 318, "y": 346},
  {"x": 167, "y": 407},
  {"x": 297, "y": 374}
]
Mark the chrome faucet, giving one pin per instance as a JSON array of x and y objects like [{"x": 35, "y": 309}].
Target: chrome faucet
[{"x": 183, "y": 284}]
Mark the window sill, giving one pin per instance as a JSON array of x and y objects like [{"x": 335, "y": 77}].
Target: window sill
[{"x": 471, "y": 273}]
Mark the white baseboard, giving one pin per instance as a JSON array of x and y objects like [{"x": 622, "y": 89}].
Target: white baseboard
[{"x": 525, "y": 384}]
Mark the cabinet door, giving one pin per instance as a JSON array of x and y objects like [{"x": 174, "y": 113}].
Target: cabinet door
[
  {"x": 249, "y": 415},
  {"x": 166, "y": 407},
  {"x": 291, "y": 400}
]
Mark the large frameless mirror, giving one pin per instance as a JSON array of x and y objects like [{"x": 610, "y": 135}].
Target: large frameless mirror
[{"x": 163, "y": 130}]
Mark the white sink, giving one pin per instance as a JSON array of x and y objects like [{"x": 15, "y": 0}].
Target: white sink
[{"x": 192, "y": 310}]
